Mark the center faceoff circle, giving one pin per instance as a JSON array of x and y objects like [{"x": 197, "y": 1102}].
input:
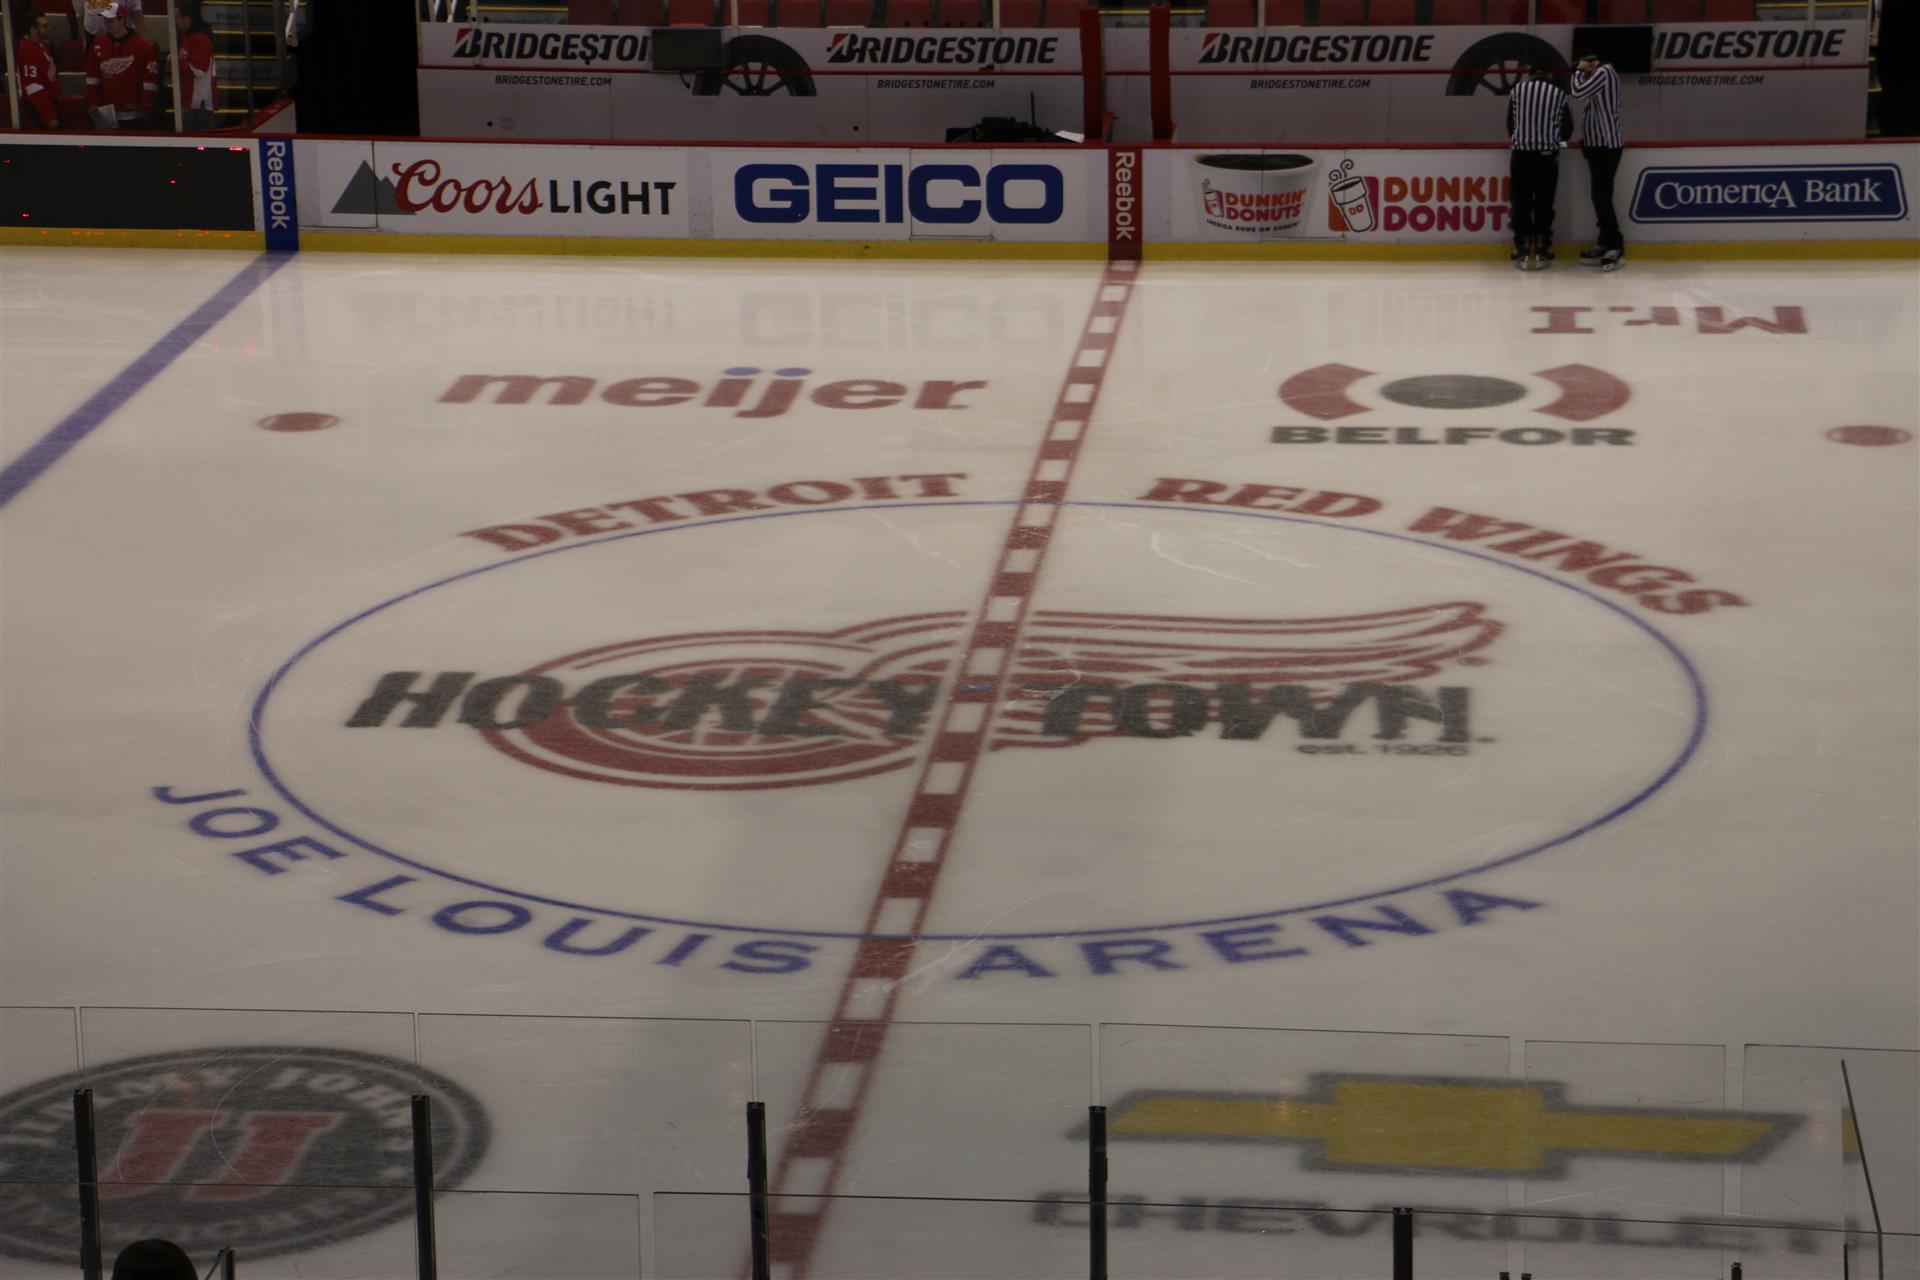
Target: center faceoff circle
[{"x": 1205, "y": 715}]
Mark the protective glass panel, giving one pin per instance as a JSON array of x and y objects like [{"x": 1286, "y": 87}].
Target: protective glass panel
[
  {"x": 316, "y": 1233},
  {"x": 705, "y": 1237},
  {"x": 35, "y": 1045},
  {"x": 39, "y": 1230},
  {"x": 1607, "y": 1247},
  {"x": 1249, "y": 1240},
  {"x": 1632, "y": 1130},
  {"x": 1818, "y": 1175},
  {"x": 1359, "y": 1121},
  {"x": 516, "y": 1236},
  {"x": 956, "y": 1109},
  {"x": 256, "y": 1097},
  {"x": 629, "y": 1105},
  {"x": 38, "y": 1060}
]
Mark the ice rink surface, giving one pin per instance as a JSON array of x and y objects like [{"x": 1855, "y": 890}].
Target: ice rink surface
[{"x": 1025, "y": 674}]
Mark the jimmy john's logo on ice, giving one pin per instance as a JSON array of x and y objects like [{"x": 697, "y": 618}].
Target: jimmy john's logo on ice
[
  {"x": 1255, "y": 195},
  {"x": 273, "y": 1150},
  {"x": 780, "y": 708}
]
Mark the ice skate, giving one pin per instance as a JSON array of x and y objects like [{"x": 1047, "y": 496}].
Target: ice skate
[{"x": 1611, "y": 259}]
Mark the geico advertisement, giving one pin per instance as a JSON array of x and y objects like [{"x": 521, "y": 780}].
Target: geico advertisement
[
  {"x": 895, "y": 195},
  {"x": 494, "y": 190}
]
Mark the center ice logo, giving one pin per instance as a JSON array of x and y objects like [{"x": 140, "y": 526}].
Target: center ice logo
[{"x": 735, "y": 710}]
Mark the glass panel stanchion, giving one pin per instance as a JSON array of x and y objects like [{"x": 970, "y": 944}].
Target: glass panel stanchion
[{"x": 1818, "y": 1174}]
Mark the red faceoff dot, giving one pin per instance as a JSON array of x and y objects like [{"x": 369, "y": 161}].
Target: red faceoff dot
[
  {"x": 298, "y": 421},
  {"x": 1871, "y": 436}
]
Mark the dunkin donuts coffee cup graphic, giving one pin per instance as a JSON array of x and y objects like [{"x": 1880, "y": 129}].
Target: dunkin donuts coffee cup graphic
[
  {"x": 1257, "y": 195},
  {"x": 1352, "y": 201}
]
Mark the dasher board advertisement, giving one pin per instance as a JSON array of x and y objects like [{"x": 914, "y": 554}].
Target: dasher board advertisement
[
  {"x": 1448, "y": 84},
  {"x": 487, "y": 189},
  {"x": 1023, "y": 194}
]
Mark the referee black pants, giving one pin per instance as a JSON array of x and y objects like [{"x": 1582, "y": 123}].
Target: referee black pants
[
  {"x": 1535, "y": 178},
  {"x": 1602, "y": 164}
]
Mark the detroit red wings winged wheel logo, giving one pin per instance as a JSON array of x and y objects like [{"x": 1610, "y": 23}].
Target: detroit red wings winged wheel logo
[{"x": 739, "y": 710}]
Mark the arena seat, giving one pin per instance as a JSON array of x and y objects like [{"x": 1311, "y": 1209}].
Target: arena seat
[
  {"x": 72, "y": 56},
  {"x": 751, "y": 13},
  {"x": 907, "y": 13},
  {"x": 1505, "y": 13},
  {"x": 642, "y": 13},
  {"x": 690, "y": 13},
  {"x": 961, "y": 13},
  {"x": 796, "y": 13},
  {"x": 1728, "y": 11},
  {"x": 1561, "y": 11},
  {"x": 849, "y": 13},
  {"x": 1676, "y": 10},
  {"x": 1390, "y": 13},
  {"x": 1229, "y": 13},
  {"x": 1456, "y": 13},
  {"x": 1019, "y": 13},
  {"x": 73, "y": 113},
  {"x": 1622, "y": 11},
  {"x": 1286, "y": 13},
  {"x": 590, "y": 13},
  {"x": 1062, "y": 13},
  {"x": 1341, "y": 13}
]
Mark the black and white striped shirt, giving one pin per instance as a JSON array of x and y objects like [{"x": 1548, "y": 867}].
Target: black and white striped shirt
[
  {"x": 1538, "y": 116},
  {"x": 1599, "y": 93}
]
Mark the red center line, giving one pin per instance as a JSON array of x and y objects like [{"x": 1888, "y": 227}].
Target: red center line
[{"x": 844, "y": 1064}]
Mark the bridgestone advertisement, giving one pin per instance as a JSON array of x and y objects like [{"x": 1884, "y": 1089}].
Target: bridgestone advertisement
[
  {"x": 806, "y": 84},
  {"x": 1305, "y": 86},
  {"x": 1448, "y": 84}
]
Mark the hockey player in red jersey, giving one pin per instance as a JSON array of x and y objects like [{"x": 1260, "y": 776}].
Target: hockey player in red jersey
[
  {"x": 39, "y": 76},
  {"x": 123, "y": 74}
]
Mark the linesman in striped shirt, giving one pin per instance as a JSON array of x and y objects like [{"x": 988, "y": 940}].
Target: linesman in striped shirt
[
  {"x": 1596, "y": 86},
  {"x": 1539, "y": 121}
]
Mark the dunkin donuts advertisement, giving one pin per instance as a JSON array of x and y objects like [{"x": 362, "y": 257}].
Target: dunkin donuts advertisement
[
  {"x": 1363, "y": 194},
  {"x": 1261, "y": 195}
]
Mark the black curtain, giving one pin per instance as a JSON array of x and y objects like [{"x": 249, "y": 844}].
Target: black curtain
[
  {"x": 356, "y": 61},
  {"x": 1900, "y": 68}
]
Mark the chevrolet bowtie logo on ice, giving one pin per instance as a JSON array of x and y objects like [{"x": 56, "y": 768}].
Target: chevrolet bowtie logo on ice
[
  {"x": 1407, "y": 1124},
  {"x": 941, "y": 194},
  {"x": 1771, "y": 193}
]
